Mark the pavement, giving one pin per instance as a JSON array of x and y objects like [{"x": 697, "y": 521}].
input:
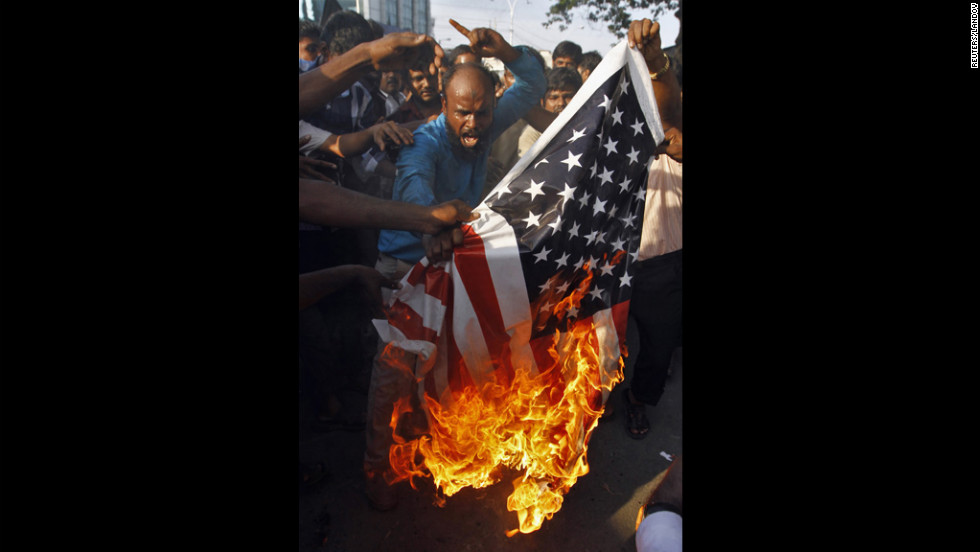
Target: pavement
[{"x": 598, "y": 513}]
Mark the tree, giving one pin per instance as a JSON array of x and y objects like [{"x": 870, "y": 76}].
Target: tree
[{"x": 616, "y": 13}]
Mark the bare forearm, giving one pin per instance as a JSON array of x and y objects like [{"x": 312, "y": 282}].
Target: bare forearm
[
  {"x": 330, "y": 205},
  {"x": 666, "y": 89},
  {"x": 539, "y": 118},
  {"x": 355, "y": 143},
  {"x": 668, "y": 94},
  {"x": 319, "y": 86}
]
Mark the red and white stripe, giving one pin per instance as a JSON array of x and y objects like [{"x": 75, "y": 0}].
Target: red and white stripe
[{"x": 474, "y": 313}]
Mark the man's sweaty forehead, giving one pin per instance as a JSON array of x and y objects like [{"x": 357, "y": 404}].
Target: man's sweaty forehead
[{"x": 468, "y": 80}]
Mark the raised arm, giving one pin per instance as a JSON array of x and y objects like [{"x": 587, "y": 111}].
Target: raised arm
[
  {"x": 488, "y": 43},
  {"x": 645, "y": 35},
  {"x": 356, "y": 143},
  {"x": 393, "y": 51}
]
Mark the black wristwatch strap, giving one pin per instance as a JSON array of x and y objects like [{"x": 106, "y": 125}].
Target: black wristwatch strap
[{"x": 654, "y": 507}]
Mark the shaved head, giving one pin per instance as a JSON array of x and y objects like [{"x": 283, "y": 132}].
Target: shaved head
[
  {"x": 468, "y": 101},
  {"x": 472, "y": 72}
]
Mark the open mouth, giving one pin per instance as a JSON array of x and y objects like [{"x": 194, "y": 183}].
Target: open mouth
[{"x": 469, "y": 140}]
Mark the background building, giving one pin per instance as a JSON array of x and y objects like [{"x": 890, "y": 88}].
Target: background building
[{"x": 394, "y": 15}]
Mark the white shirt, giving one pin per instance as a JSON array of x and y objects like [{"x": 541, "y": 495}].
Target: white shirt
[
  {"x": 662, "y": 211},
  {"x": 660, "y": 531}
]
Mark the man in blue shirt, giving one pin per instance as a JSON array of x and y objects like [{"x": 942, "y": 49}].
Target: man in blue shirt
[
  {"x": 448, "y": 160},
  {"x": 449, "y": 157}
]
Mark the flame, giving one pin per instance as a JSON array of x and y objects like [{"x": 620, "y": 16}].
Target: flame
[{"x": 539, "y": 423}]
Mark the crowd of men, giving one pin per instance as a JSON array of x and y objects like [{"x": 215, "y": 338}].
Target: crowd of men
[{"x": 398, "y": 141}]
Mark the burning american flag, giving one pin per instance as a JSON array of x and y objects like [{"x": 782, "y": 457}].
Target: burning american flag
[{"x": 519, "y": 338}]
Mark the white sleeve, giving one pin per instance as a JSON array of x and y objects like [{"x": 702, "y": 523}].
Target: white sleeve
[
  {"x": 319, "y": 136},
  {"x": 660, "y": 532}
]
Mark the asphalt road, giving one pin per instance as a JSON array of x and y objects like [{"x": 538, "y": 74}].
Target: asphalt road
[{"x": 598, "y": 513}]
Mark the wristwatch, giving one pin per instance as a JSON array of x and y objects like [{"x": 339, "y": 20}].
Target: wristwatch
[{"x": 655, "y": 507}]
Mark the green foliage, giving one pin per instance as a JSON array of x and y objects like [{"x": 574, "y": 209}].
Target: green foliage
[{"x": 615, "y": 13}]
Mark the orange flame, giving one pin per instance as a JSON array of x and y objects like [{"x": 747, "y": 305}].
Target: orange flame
[{"x": 537, "y": 423}]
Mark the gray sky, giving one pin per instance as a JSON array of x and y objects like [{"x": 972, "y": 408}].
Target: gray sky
[{"x": 528, "y": 16}]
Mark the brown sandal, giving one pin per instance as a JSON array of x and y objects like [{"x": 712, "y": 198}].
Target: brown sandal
[{"x": 637, "y": 424}]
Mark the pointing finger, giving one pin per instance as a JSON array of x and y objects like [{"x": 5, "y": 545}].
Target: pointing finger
[{"x": 459, "y": 27}]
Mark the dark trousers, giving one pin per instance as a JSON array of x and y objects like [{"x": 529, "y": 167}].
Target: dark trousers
[{"x": 655, "y": 309}]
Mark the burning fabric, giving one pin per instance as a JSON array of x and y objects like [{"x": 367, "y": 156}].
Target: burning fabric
[{"x": 516, "y": 343}]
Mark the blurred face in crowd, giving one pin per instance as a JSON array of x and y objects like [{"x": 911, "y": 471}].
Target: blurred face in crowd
[
  {"x": 563, "y": 62},
  {"x": 556, "y": 100},
  {"x": 584, "y": 72},
  {"x": 391, "y": 82},
  {"x": 308, "y": 48},
  {"x": 424, "y": 85},
  {"x": 468, "y": 104}
]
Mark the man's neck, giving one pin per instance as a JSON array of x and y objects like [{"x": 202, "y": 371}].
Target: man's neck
[{"x": 428, "y": 109}]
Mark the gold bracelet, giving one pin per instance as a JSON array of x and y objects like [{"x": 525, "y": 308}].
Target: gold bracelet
[{"x": 661, "y": 72}]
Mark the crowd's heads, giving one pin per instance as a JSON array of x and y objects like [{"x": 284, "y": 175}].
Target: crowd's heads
[
  {"x": 344, "y": 30},
  {"x": 462, "y": 54},
  {"x": 590, "y": 60},
  {"x": 566, "y": 54},
  {"x": 309, "y": 40},
  {"x": 563, "y": 83},
  {"x": 468, "y": 101}
]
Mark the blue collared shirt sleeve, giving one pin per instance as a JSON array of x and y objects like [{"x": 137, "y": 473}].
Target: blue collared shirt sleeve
[
  {"x": 415, "y": 183},
  {"x": 528, "y": 89},
  {"x": 417, "y": 171}
]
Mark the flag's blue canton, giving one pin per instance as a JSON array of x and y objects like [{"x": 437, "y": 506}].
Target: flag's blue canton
[{"x": 581, "y": 201}]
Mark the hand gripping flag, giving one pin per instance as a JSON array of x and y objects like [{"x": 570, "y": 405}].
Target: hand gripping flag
[{"x": 519, "y": 338}]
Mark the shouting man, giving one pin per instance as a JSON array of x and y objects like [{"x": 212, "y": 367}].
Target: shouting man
[{"x": 448, "y": 160}]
